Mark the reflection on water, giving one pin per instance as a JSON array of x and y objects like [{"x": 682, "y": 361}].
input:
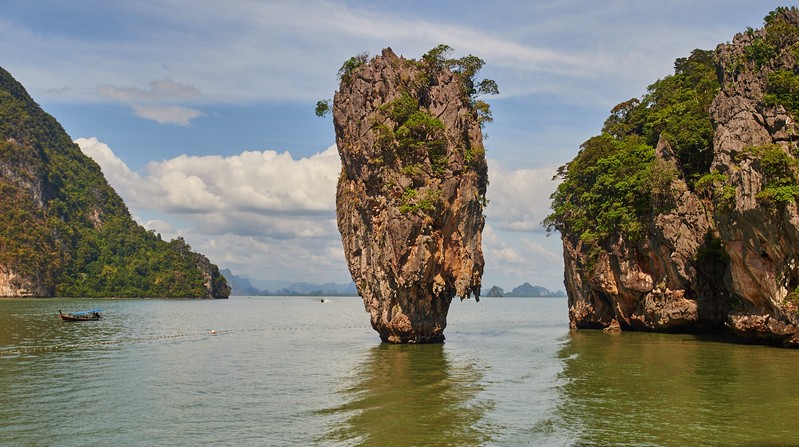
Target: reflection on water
[
  {"x": 405, "y": 395},
  {"x": 653, "y": 389}
]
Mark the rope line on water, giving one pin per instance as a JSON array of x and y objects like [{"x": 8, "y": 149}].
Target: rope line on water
[{"x": 120, "y": 341}]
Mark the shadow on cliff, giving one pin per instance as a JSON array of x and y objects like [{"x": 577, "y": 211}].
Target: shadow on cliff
[
  {"x": 713, "y": 300},
  {"x": 409, "y": 395},
  {"x": 643, "y": 388}
]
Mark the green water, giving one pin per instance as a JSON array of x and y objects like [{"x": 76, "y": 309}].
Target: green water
[
  {"x": 648, "y": 389},
  {"x": 295, "y": 372}
]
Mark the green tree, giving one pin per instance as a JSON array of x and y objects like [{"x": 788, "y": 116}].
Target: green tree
[
  {"x": 351, "y": 64},
  {"x": 322, "y": 107},
  {"x": 466, "y": 68},
  {"x": 605, "y": 189}
]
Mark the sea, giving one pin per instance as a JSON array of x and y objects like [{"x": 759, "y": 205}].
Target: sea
[{"x": 297, "y": 371}]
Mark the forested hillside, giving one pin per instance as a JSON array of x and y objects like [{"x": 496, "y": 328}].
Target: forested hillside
[{"x": 65, "y": 232}]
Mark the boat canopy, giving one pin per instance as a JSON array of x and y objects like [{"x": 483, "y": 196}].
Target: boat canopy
[{"x": 86, "y": 312}]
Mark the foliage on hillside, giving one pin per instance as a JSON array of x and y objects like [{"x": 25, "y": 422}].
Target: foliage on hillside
[
  {"x": 610, "y": 185},
  {"x": 63, "y": 225}
]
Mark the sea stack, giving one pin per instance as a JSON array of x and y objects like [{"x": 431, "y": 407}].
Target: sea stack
[
  {"x": 682, "y": 216},
  {"x": 410, "y": 197}
]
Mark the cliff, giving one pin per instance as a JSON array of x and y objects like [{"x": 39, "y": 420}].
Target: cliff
[
  {"x": 682, "y": 216},
  {"x": 65, "y": 232},
  {"x": 409, "y": 201}
]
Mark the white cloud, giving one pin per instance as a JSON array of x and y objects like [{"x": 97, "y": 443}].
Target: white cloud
[
  {"x": 263, "y": 188},
  {"x": 157, "y": 101},
  {"x": 251, "y": 182},
  {"x": 263, "y": 214},
  {"x": 255, "y": 51},
  {"x": 126, "y": 182},
  {"x": 515, "y": 245},
  {"x": 513, "y": 258},
  {"x": 181, "y": 116},
  {"x": 519, "y": 197}
]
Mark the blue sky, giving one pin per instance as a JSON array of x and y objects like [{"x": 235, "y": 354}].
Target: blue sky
[{"x": 201, "y": 112}]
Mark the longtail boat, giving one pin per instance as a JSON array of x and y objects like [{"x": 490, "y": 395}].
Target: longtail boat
[{"x": 84, "y": 315}]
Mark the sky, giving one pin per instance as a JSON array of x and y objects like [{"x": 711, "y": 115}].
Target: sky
[{"x": 201, "y": 112}]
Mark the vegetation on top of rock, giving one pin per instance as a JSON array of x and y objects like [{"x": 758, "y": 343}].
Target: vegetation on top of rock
[
  {"x": 610, "y": 186},
  {"x": 408, "y": 137},
  {"x": 66, "y": 231},
  {"x": 779, "y": 31},
  {"x": 404, "y": 129},
  {"x": 466, "y": 68},
  {"x": 351, "y": 64},
  {"x": 606, "y": 188}
]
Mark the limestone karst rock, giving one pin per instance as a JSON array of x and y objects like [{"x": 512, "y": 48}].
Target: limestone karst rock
[
  {"x": 409, "y": 202},
  {"x": 723, "y": 252}
]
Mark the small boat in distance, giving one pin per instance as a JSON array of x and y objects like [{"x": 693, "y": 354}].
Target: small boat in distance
[{"x": 85, "y": 315}]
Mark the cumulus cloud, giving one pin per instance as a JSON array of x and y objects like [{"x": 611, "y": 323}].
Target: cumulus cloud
[
  {"x": 264, "y": 188},
  {"x": 252, "y": 182},
  {"x": 125, "y": 181},
  {"x": 519, "y": 197},
  {"x": 262, "y": 213},
  {"x": 515, "y": 245},
  {"x": 512, "y": 258}
]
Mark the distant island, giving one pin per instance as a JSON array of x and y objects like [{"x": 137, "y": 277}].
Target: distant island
[
  {"x": 241, "y": 286},
  {"x": 525, "y": 290}
]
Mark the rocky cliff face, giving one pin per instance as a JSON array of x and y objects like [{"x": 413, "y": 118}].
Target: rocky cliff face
[
  {"x": 410, "y": 195},
  {"x": 725, "y": 254}
]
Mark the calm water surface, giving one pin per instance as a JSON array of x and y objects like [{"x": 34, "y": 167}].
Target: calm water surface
[{"x": 295, "y": 372}]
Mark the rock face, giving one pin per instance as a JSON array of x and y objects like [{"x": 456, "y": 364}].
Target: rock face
[
  {"x": 410, "y": 196},
  {"x": 714, "y": 261}
]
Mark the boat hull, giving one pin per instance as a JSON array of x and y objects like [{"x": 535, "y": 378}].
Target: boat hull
[{"x": 74, "y": 318}]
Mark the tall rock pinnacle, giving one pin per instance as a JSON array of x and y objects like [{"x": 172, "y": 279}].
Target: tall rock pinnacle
[{"x": 410, "y": 196}]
